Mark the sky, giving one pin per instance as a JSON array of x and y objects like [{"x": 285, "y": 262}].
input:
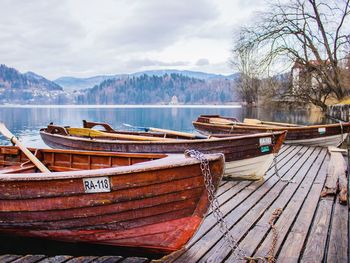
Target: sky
[{"x": 84, "y": 38}]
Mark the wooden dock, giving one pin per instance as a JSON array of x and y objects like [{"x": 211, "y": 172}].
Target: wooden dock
[{"x": 283, "y": 216}]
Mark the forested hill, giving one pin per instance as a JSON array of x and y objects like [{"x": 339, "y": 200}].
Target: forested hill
[
  {"x": 11, "y": 78},
  {"x": 27, "y": 88},
  {"x": 165, "y": 89}
]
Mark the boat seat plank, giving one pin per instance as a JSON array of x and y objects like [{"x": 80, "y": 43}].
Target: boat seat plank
[
  {"x": 62, "y": 169},
  {"x": 16, "y": 169}
]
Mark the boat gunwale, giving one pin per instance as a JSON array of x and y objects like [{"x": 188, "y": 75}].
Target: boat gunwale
[
  {"x": 269, "y": 128},
  {"x": 177, "y": 141},
  {"x": 170, "y": 161}
]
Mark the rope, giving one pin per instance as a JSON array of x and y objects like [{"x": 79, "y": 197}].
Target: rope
[{"x": 270, "y": 255}]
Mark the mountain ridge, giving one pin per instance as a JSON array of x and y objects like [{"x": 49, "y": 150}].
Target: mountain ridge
[
  {"x": 70, "y": 83},
  {"x": 146, "y": 87}
]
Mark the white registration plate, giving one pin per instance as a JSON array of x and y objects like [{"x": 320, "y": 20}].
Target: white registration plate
[
  {"x": 97, "y": 185},
  {"x": 265, "y": 141},
  {"x": 322, "y": 130}
]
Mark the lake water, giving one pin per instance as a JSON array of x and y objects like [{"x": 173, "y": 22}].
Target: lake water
[{"x": 25, "y": 121}]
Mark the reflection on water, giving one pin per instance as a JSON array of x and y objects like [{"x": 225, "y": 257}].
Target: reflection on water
[{"x": 26, "y": 122}]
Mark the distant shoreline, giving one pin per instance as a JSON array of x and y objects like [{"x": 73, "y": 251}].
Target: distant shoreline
[{"x": 123, "y": 106}]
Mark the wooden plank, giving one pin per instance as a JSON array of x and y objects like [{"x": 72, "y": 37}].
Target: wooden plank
[
  {"x": 135, "y": 260},
  {"x": 292, "y": 247},
  {"x": 279, "y": 195},
  {"x": 343, "y": 186},
  {"x": 243, "y": 191},
  {"x": 336, "y": 169},
  {"x": 238, "y": 208},
  {"x": 9, "y": 258},
  {"x": 83, "y": 259},
  {"x": 338, "y": 249},
  {"x": 56, "y": 259},
  {"x": 29, "y": 259},
  {"x": 108, "y": 259},
  {"x": 316, "y": 242},
  {"x": 290, "y": 212}
]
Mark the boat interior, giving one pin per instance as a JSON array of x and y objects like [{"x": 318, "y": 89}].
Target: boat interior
[
  {"x": 13, "y": 160},
  {"x": 112, "y": 134}
]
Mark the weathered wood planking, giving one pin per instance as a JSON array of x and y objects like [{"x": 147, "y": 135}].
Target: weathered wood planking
[
  {"x": 272, "y": 200},
  {"x": 234, "y": 210},
  {"x": 310, "y": 228}
]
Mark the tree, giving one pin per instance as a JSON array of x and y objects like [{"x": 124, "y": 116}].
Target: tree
[
  {"x": 248, "y": 82},
  {"x": 313, "y": 34}
]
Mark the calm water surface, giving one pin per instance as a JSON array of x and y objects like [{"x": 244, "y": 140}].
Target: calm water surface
[{"x": 25, "y": 122}]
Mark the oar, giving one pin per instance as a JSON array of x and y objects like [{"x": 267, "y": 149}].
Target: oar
[
  {"x": 166, "y": 131},
  {"x": 15, "y": 141},
  {"x": 221, "y": 121},
  {"x": 256, "y": 121},
  {"x": 96, "y": 133}
]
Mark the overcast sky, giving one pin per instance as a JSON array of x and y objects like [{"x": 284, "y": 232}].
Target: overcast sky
[{"x": 84, "y": 38}]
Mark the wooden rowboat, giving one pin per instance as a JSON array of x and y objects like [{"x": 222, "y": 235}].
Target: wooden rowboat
[
  {"x": 312, "y": 135},
  {"x": 247, "y": 157},
  {"x": 153, "y": 202}
]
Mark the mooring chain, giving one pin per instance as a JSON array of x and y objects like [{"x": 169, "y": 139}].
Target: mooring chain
[
  {"x": 237, "y": 251},
  {"x": 275, "y": 163},
  {"x": 341, "y": 130},
  {"x": 214, "y": 203}
]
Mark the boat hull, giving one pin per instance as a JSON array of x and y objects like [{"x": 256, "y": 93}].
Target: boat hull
[
  {"x": 237, "y": 148},
  {"x": 332, "y": 140},
  {"x": 248, "y": 169},
  {"x": 315, "y": 135},
  {"x": 156, "y": 205}
]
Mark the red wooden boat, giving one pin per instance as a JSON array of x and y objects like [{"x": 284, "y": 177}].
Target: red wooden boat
[
  {"x": 247, "y": 157},
  {"x": 154, "y": 202},
  {"x": 311, "y": 135}
]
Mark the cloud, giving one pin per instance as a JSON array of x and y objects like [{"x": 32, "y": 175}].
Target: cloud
[
  {"x": 154, "y": 25},
  {"x": 89, "y": 37},
  {"x": 202, "y": 62},
  {"x": 35, "y": 35},
  {"x": 143, "y": 63}
]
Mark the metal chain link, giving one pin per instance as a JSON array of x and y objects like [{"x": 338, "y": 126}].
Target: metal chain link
[
  {"x": 214, "y": 204},
  {"x": 275, "y": 163},
  {"x": 341, "y": 129},
  {"x": 237, "y": 251}
]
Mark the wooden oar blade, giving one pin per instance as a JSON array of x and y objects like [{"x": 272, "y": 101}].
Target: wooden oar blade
[
  {"x": 221, "y": 121},
  {"x": 5, "y": 131},
  {"x": 14, "y": 140},
  {"x": 252, "y": 121}
]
